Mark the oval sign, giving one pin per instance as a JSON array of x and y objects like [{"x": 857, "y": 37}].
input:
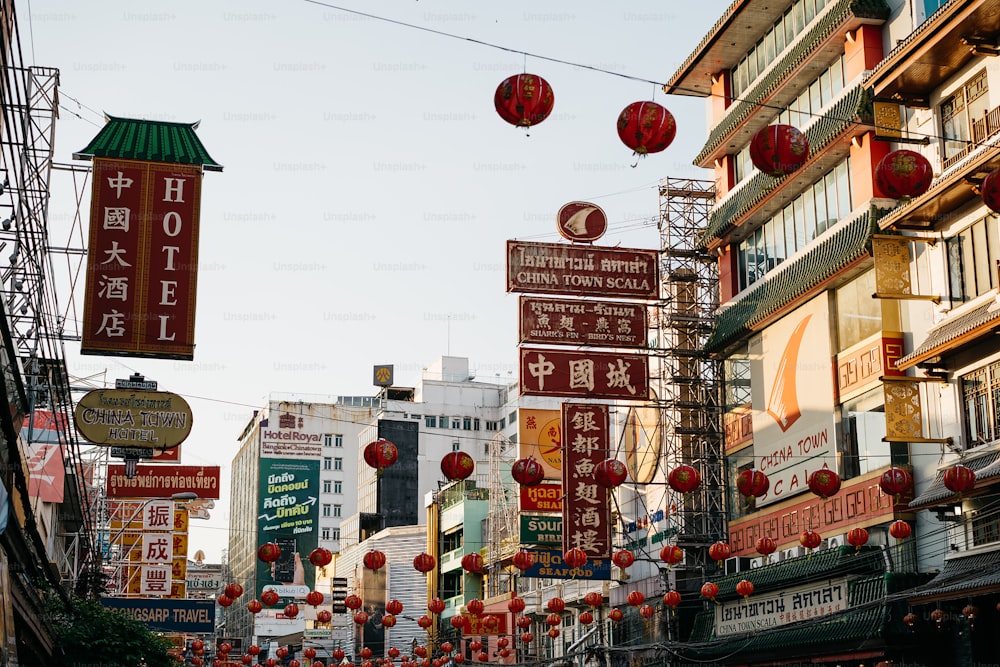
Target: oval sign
[
  {"x": 128, "y": 418},
  {"x": 581, "y": 221}
]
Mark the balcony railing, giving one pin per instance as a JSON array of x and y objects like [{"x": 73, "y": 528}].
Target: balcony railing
[{"x": 982, "y": 129}]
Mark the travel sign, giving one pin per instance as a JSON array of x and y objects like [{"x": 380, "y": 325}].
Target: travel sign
[{"x": 133, "y": 418}]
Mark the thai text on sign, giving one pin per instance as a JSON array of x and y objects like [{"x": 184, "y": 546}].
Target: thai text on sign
[
  {"x": 541, "y": 498},
  {"x": 586, "y": 443},
  {"x": 801, "y": 603},
  {"x": 581, "y": 373},
  {"x": 558, "y": 268},
  {"x": 582, "y": 322},
  {"x": 152, "y": 481}
]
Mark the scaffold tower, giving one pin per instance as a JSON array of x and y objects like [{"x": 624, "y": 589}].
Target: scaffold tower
[{"x": 502, "y": 524}]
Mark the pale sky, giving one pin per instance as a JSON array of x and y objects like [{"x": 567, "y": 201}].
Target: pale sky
[{"x": 369, "y": 185}]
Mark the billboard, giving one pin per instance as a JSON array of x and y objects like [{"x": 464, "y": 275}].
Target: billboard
[
  {"x": 290, "y": 440},
  {"x": 288, "y": 515},
  {"x": 133, "y": 418},
  {"x": 153, "y": 481},
  {"x": 586, "y": 512},
  {"x": 536, "y": 529},
  {"x": 187, "y": 616},
  {"x": 582, "y": 270},
  {"x": 142, "y": 259},
  {"x": 584, "y": 373},
  {"x": 548, "y": 564},
  {"x": 582, "y": 322},
  {"x": 538, "y": 437},
  {"x": 541, "y": 498}
]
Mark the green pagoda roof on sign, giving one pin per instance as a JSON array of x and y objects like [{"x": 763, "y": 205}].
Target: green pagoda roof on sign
[{"x": 150, "y": 140}]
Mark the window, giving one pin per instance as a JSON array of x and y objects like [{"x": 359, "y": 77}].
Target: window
[
  {"x": 327, "y": 486},
  {"x": 335, "y": 533},
  {"x": 971, "y": 254},
  {"x": 455, "y": 446},
  {"x": 981, "y": 403},
  {"x": 862, "y": 449},
  {"x": 326, "y": 509},
  {"x": 430, "y": 421},
  {"x": 338, "y": 486},
  {"x": 736, "y": 370},
  {"x": 451, "y": 584},
  {"x": 452, "y": 541},
  {"x": 859, "y": 316},
  {"x": 964, "y": 122},
  {"x": 456, "y": 422},
  {"x": 325, "y": 534},
  {"x": 491, "y": 426},
  {"x": 443, "y": 421},
  {"x": 467, "y": 423},
  {"x": 338, "y": 463},
  {"x": 501, "y": 424},
  {"x": 328, "y": 439},
  {"x": 512, "y": 417},
  {"x": 338, "y": 510},
  {"x": 327, "y": 463},
  {"x": 475, "y": 424},
  {"x": 338, "y": 439}
]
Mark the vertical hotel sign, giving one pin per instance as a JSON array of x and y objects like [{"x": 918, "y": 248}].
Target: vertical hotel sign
[
  {"x": 586, "y": 442},
  {"x": 142, "y": 259}
]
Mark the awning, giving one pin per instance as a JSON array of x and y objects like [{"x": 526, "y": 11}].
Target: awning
[
  {"x": 962, "y": 577},
  {"x": 985, "y": 464},
  {"x": 954, "y": 333}
]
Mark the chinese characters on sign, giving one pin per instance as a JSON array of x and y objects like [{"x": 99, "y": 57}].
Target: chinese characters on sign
[
  {"x": 142, "y": 261},
  {"x": 558, "y": 268},
  {"x": 582, "y": 322},
  {"x": 581, "y": 373},
  {"x": 586, "y": 442},
  {"x": 801, "y": 603}
]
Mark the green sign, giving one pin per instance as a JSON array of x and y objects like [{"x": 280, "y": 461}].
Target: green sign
[
  {"x": 288, "y": 515},
  {"x": 541, "y": 529}
]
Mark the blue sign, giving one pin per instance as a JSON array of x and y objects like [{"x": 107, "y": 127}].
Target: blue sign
[
  {"x": 186, "y": 616},
  {"x": 548, "y": 564}
]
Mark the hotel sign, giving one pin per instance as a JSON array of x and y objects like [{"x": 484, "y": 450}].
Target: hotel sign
[
  {"x": 582, "y": 322},
  {"x": 585, "y": 374},
  {"x": 770, "y": 610},
  {"x": 558, "y": 268},
  {"x": 138, "y": 419}
]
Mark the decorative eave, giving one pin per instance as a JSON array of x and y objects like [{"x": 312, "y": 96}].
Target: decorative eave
[
  {"x": 953, "y": 189},
  {"x": 829, "y": 141},
  {"x": 964, "y": 576},
  {"x": 823, "y": 42},
  {"x": 794, "y": 281},
  {"x": 956, "y": 33},
  {"x": 150, "y": 141},
  {"x": 954, "y": 334},
  {"x": 986, "y": 465}
]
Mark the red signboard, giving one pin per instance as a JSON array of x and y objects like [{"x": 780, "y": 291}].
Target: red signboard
[
  {"x": 586, "y": 514},
  {"x": 152, "y": 481},
  {"x": 484, "y": 624},
  {"x": 541, "y": 498},
  {"x": 580, "y": 322},
  {"x": 142, "y": 259},
  {"x": 558, "y": 268},
  {"x": 583, "y": 373}
]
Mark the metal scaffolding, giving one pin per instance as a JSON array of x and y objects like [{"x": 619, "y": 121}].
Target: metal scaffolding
[{"x": 502, "y": 523}]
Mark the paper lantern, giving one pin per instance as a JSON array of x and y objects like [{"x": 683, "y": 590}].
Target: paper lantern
[
  {"x": 447, "y": 647},
  {"x": 824, "y": 483},
  {"x": 457, "y": 465},
  {"x": 380, "y": 454},
  {"x": 990, "y": 190},
  {"x": 458, "y": 658},
  {"x": 857, "y": 538},
  {"x": 224, "y": 600},
  {"x": 778, "y": 150},
  {"x": 269, "y": 598},
  {"x": 900, "y": 529},
  {"x": 253, "y": 649},
  {"x": 719, "y": 551},
  {"x": 374, "y": 560},
  {"x": 575, "y": 558},
  {"x": 294, "y": 663},
  {"x": 594, "y": 599},
  {"x": 959, "y": 479},
  {"x": 491, "y": 622},
  {"x": 553, "y": 632},
  {"x": 672, "y": 599},
  {"x": 709, "y": 590},
  {"x": 515, "y": 605},
  {"x": 475, "y": 607},
  {"x": 388, "y": 620},
  {"x": 523, "y": 622},
  {"x": 610, "y": 473},
  {"x": 646, "y": 127},
  {"x": 766, "y": 546},
  {"x": 393, "y": 652},
  {"x": 324, "y": 616},
  {"x": 337, "y": 654},
  {"x": 291, "y": 610},
  {"x": 523, "y": 560},
  {"x": 671, "y": 554},
  {"x": 503, "y": 642},
  {"x": 684, "y": 479},
  {"x": 585, "y": 618},
  {"x": 224, "y": 648},
  {"x": 553, "y": 619},
  {"x": 616, "y": 615},
  {"x": 810, "y": 539},
  {"x": 366, "y": 652},
  {"x": 394, "y": 607},
  {"x": 255, "y": 606},
  {"x": 483, "y": 657},
  {"x": 475, "y": 645},
  {"x": 473, "y": 563},
  {"x": 752, "y": 483},
  {"x": 903, "y": 174},
  {"x": 744, "y": 588},
  {"x": 197, "y": 646},
  {"x": 623, "y": 558},
  {"x": 314, "y": 598},
  {"x": 436, "y": 605},
  {"x": 353, "y": 602},
  {"x": 556, "y": 605},
  {"x": 234, "y": 590},
  {"x": 360, "y": 618},
  {"x": 320, "y": 557},
  {"x": 524, "y": 100},
  {"x": 269, "y": 552},
  {"x": 504, "y": 653},
  {"x": 896, "y": 481},
  {"x": 424, "y": 563},
  {"x": 938, "y": 617},
  {"x": 425, "y": 621},
  {"x": 527, "y": 637},
  {"x": 635, "y": 598},
  {"x": 527, "y": 471},
  {"x": 910, "y": 619},
  {"x": 646, "y": 611}
]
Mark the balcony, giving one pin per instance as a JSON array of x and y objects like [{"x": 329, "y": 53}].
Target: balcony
[{"x": 982, "y": 130}]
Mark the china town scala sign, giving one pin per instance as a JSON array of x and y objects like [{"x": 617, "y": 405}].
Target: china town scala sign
[{"x": 126, "y": 418}]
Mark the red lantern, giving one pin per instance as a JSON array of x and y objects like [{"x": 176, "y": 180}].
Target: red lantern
[
  {"x": 575, "y": 558},
  {"x": 672, "y": 599},
  {"x": 896, "y": 481},
  {"x": 234, "y": 590},
  {"x": 475, "y": 607},
  {"x": 719, "y": 551},
  {"x": 671, "y": 554},
  {"x": 435, "y": 606},
  {"x": 594, "y": 599},
  {"x": 990, "y": 190},
  {"x": 900, "y": 529},
  {"x": 360, "y": 618},
  {"x": 291, "y": 610},
  {"x": 491, "y": 622},
  {"x": 635, "y": 598},
  {"x": 424, "y": 563},
  {"x": 393, "y": 652},
  {"x": 269, "y": 552},
  {"x": 225, "y": 648},
  {"x": 646, "y": 611},
  {"x": 324, "y": 616},
  {"x": 473, "y": 563},
  {"x": 824, "y": 483},
  {"x": 857, "y": 538},
  {"x": 515, "y": 605},
  {"x": 616, "y": 615},
  {"x": 309, "y": 653},
  {"x": 646, "y": 127},
  {"x": 425, "y": 621},
  {"x": 254, "y": 606},
  {"x": 224, "y": 600},
  {"x": 752, "y": 483},
  {"x": 483, "y": 657},
  {"x": 380, "y": 454},
  {"x": 447, "y": 647},
  {"x": 457, "y": 465},
  {"x": 810, "y": 539},
  {"x": 394, "y": 607},
  {"x": 523, "y": 560},
  {"x": 524, "y": 100},
  {"x": 959, "y": 479},
  {"x": 353, "y": 602},
  {"x": 523, "y": 622},
  {"x": 744, "y": 588},
  {"x": 585, "y": 618},
  {"x": 269, "y": 598},
  {"x": 197, "y": 646},
  {"x": 281, "y": 652},
  {"x": 198, "y": 662},
  {"x": 320, "y": 557},
  {"x": 337, "y": 654},
  {"x": 910, "y": 619},
  {"x": 903, "y": 174},
  {"x": 778, "y": 150},
  {"x": 553, "y": 619},
  {"x": 709, "y": 590},
  {"x": 553, "y": 632},
  {"x": 270, "y": 662},
  {"x": 458, "y": 658},
  {"x": 527, "y": 471},
  {"x": 766, "y": 546},
  {"x": 611, "y": 473},
  {"x": 556, "y": 605},
  {"x": 366, "y": 652},
  {"x": 503, "y": 642},
  {"x": 318, "y": 664},
  {"x": 623, "y": 558},
  {"x": 938, "y": 617},
  {"x": 475, "y": 645},
  {"x": 684, "y": 479},
  {"x": 388, "y": 621},
  {"x": 504, "y": 653},
  {"x": 527, "y": 637},
  {"x": 314, "y": 598},
  {"x": 294, "y": 663},
  {"x": 374, "y": 560},
  {"x": 253, "y": 649}
]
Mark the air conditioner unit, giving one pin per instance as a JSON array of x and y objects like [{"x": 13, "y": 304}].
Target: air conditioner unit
[
  {"x": 834, "y": 542},
  {"x": 794, "y": 552},
  {"x": 735, "y": 565},
  {"x": 756, "y": 562}
]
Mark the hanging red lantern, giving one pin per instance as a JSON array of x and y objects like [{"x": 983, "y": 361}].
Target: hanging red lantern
[
  {"x": 270, "y": 662},
  {"x": 457, "y": 465},
  {"x": 253, "y": 649},
  {"x": 585, "y": 618},
  {"x": 515, "y": 605},
  {"x": 594, "y": 599},
  {"x": 360, "y": 618},
  {"x": 337, "y": 654},
  {"x": 490, "y": 623},
  {"x": 475, "y": 607},
  {"x": 766, "y": 546},
  {"x": 197, "y": 646},
  {"x": 504, "y": 653},
  {"x": 671, "y": 554},
  {"x": 684, "y": 479},
  {"x": 393, "y": 652},
  {"x": 778, "y": 150},
  {"x": 424, "y": 563},
  {"x": 503, "y": 642},
  {"x": 903, "y": 174},
  {"x": 388, "y": 621},
  {"x": 523, "y": 622},
  {"x": 527, "y": 637},
  {"x": 752, "y": 483},
  {"x": 523, "y": 560},
  {"x": 353, "y": 602},
  {"x": 610, "y": 473},
  {"x": 900, "y": 529},
  {"x": 269, "y": 552},
  {"x": 556, "y": 605},
  {"x": 709, "y": 590},
  {"x": 672, "y": 599},
  {"x": 553, "y": 619},
  {"x": 744, "y": 588},
  {"x": 719, "y": 551},
  {"x": 320, "y": 557},
  {"x": 425, "y": 621},
  {"x": 524, "y": 100},
  {"x": 380, "y": 454},
  {"x": 553, "y": 632},
  {"x": 575, "y": 558},
  {"x": 646, "y": 611},
  {"x": 527, "y": 471},
  {"x": 483, "y": 657},
  {"x": 324, "y": 616},
  {"x": 224, "y": 648},
  {"x": 616, "y": 615},
  {"x": 635, "y": 598},
  {"x": 317, "y": 664},
  {"x": 623, "y": 558},
  {"x": 255, "y": 606},
  {"x": 394, "y": 607},
  {"x": 959, "y": 479},
  {"x": 224, "y": 600},
  {"x": 458, "y": 658},
  {"x": 473, "y": 563},
  {"x": 824, "y": 483},
  {"x": 281, "y": 652},
  {"x": 910, "y": 619},
  {"x": 374, "y": 560},
  {"x": 475, "y": 645},
  {"x": 970, "y": 611},
  {"x": 269, "y": 598},
  {"x": 896, "y": 481},
  {"x": 309, "y": 653},
  {"x": 435, "y": 605},
  {"x": 857, "y": 538},
  {"x": 198, "y": 662},
  {"x": 294, "y": 663},
  {"x": 314, "y": 598},
  {"x": 366, "y": 652},
  {"x": 234, "y": 590},
  {"x": 447, "y": 647},
  {"x": 990, "y": 190},
  {"x": 938, "y": 617},
  {"x": 291, "y": 610},
  {"x": 810, "y": 539},
  {"x": 646, "y": 127}
]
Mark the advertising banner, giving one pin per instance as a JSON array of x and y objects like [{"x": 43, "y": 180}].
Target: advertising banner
[
  {"x": 548, "y": 564},
  {"x": 288, "y": 516},
  {"x": 43, "y": 432},
  {"x": 153, "y": 481},
  {"x": 582, "y": 322},
  {"x": 584, "y": 373},
  {"x": 776, "y": 608},
  {"x": 195, "y": 617},
  {"x": 477, "y": 625},
  {"x": 586, "y": 512},
  {"x": 583, "y": 270},
  {"x": 541, "y": 498},
  {"x": 538, "y": 437},
  {"x": 541, "y": 529}
]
